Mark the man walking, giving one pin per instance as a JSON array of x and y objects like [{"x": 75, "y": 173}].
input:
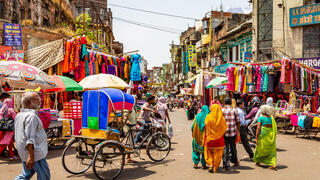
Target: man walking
[
  {"x": 31, "y": 139},
  {"x": 233, "y": 125},
  {"x": 244, "y": 127}
]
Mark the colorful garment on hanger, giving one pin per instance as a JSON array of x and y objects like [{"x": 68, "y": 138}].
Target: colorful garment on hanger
[
  {"x": 112, "y": 70},
  {"x": 283, "y": 70},
  {"x": 65, "y": 66},
  {"x": 135, "y": 74},
  {"x": 230, "y": 75},
  {"x": 72, "y": 55}
]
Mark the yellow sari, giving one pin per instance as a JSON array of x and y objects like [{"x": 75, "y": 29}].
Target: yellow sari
[{"x": 216, "y": 126}]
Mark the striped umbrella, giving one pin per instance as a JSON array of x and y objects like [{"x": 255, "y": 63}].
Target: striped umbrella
[{"x": 64, "y": 84}]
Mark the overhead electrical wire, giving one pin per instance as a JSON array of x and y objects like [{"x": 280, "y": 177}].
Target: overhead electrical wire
[
  {"x": 164, "y": 29},
  {"x": 154, "y": 12}
]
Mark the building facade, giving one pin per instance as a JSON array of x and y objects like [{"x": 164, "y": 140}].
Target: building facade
[{"x": 285, "y": 28}]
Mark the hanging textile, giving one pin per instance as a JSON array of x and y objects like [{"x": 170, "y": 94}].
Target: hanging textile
[{"x": 135, "y": 74}]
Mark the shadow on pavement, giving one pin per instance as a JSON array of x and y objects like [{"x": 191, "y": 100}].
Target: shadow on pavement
[
  {"x": 243, "y": 167},
  {"x": 279, "y": 166},
  {"x": 281, "y": 150},
  {"x": 247, "y": 160},
  {"x": 231, "y": 171}
]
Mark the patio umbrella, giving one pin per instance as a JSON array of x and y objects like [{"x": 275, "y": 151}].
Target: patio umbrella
[
  {"x": 100, "y": 81},
  {"x": 21, "y": 75},
  {"x": 217, "y": 81},
  {"x": 64, "y": 84}
]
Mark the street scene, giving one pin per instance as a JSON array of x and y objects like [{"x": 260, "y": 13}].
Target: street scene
[{"x": 138, "y": 89}]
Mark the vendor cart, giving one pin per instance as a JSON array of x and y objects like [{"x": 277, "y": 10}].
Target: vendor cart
[{"x": 99, "y": 144}]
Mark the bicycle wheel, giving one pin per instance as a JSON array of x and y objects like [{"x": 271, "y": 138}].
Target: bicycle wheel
[
  {"x": 109, "y": 160},
  {"x": 77, "y": 157},
  {"x": 158, "y": 147}
]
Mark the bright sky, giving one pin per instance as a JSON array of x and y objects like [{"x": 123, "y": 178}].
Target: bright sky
[{"x": 154, "y": 45}]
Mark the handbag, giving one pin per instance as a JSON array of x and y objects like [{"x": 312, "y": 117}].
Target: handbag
[{"x": 6, "y": 124}]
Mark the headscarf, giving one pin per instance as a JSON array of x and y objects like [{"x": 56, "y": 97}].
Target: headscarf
[
  {"x": 7, "y": 103},
  {"x": 215, "y": 124},
  {"x": 161, "y": 104},
  {"x": 199, "y": 124},
  {"x": 270, "y": 101}
]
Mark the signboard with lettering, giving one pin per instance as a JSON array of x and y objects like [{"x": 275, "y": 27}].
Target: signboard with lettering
[
  {"x": 12, "y": 35},
  {"x": 222, "y": 68},
  {"x": 305, "y": 15},
  {"x": 192, "y": 55},
  {"x": 311, "y": 62}
]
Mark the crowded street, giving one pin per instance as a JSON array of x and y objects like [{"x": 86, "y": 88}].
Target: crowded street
[
  {"x": 297, "y": 160},
  {"x": 170, "y": 89}
]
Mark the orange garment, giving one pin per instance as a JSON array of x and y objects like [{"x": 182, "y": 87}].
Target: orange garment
[
  {"x": 59, "y": 68},
  {"x": 72, "y": 55},
  {"x": 213, "y": 157},
  {"x": 97, "y": 67},
  {"x": 65, "y": 67},
  {"x": 215, "y": 125},
  {"x": 77, "y": 52},
  {"x": 50, "y": 71},
  {"x": 126, "y": 68},
  {"x": 110, "y": 61},
  {"x": 46, "y": 101}
]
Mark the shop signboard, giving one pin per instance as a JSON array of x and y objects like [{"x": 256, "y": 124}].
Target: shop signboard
[
  {"x": 222, "y": 69},
  {"x": 313, "y": 62},
  {"x": 192, "y": 55},
  {"x": 12, "y": 35},
  {"x": 247, "y": 57},
  {"x": 305, "y": 15}
]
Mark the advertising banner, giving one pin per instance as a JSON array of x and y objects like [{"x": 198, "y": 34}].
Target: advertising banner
[
  {"x": 313, "y": 62},
  {"x": 9, "y": 53},
  {"x": 12, "y": 35},
  {"x": 192, "y": 55}
]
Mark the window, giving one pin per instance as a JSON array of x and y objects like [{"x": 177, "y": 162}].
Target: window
[
  {"x": 307, "y": 2},
  {"x": 265, "y": 10},
  {"x": 311, "y": 41}
]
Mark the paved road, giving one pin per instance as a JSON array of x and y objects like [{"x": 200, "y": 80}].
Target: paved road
[{"x": 297, "y": 159}]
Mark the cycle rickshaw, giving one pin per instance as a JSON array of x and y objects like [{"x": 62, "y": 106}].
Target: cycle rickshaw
[{"x": 99, "y": 144}]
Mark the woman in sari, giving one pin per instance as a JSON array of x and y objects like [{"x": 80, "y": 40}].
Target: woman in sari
[
  {"x": 197, "y": 129},
  {"x": 266, "y": 135},
  {"x": 215, "y": 127}
]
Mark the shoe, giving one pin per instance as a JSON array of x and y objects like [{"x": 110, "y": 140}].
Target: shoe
[
  {"x": 13, "y": 158},
  {"x": 237, "y": 164},
  {"x": 210, "y": 170},
  {"x": 226, "y": 168},
  {"x": 204, "y": 167},
  {"x": 195, "y": 166}
]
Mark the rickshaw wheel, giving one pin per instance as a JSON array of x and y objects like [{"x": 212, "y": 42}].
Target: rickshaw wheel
[
  {"x": 109, "y": 161},
  {"x": 158, "y": 147},
  {"x": 282, "y": 125},
  {"x": 76, "y": 157}
]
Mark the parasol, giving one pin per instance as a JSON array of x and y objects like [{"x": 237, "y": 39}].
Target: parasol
[
  {"x": 100, "y": 81},
  {"x": 64, "y": 84},
  {"x": 21, "y": 75},
  {"x": 217, "y": 82}
]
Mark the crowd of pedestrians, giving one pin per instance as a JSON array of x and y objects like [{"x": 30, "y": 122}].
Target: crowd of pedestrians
[{"x": 217, "y": 130}]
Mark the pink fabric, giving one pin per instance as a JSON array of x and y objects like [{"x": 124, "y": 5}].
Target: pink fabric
[
  {"x": 283, "y": 70},
  {"x": 7, "y": 137},
  {"x": 230, "y": 74},
  {"x": 294, "y": 120},
  {"x": 259, "y": 79},
  {"x": 104, "y": 69}
]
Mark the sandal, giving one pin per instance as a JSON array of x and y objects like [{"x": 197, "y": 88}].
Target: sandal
[
  {"x": 210, "y": 170},
  {"x": 273, "y": 168},
  {"x": 195, "y": 166},
  {"x": 204, "y": 167},
  {"x": 130, "y": 161},
  {"x": 14, "y": 158},
  {"x": 257, "y": 164}
]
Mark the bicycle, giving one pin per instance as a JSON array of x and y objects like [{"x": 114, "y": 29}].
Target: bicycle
[{"x": 159, "y": 143}]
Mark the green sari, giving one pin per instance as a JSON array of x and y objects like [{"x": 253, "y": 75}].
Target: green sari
[
  {"x": 197, "y": 129},
  {"x": 266, "y": 152}
]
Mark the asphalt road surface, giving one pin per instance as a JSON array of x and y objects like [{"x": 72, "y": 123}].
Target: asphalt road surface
[{"x": 297, "y": 159}]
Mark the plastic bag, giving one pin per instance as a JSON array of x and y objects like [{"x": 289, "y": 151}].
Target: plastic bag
[{"x": 170, "y": 130}]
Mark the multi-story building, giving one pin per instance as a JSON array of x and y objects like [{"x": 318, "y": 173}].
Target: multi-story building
[{"x": 286, "y": 28}]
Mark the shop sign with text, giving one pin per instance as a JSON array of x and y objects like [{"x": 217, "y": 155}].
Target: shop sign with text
[
  {"x": 310, "y": 62},
  {"x": 305, "y": 15},
  {"x": 12, "y": 35}
]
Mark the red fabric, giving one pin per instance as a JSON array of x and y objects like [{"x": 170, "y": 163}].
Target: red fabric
[
  {"x": 216, "y": 143},
  {"x": 10, "y": 148}
]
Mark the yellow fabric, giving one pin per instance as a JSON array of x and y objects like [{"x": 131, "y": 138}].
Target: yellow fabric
[
  {"x": 316, "y": 122},
  {"x": 245, "y": 84},
  {"x": 66, "y": 128},
  {"x": 99, "y": 134},
  {"x": 197, "y": 134},
  {"x": 236, "y": 85},
  {"x": 215, "y": 124},
  {"x": 213, "y": 157}
]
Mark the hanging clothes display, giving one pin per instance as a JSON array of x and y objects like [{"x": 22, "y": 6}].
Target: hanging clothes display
[{"x": 135, "y": 74}]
